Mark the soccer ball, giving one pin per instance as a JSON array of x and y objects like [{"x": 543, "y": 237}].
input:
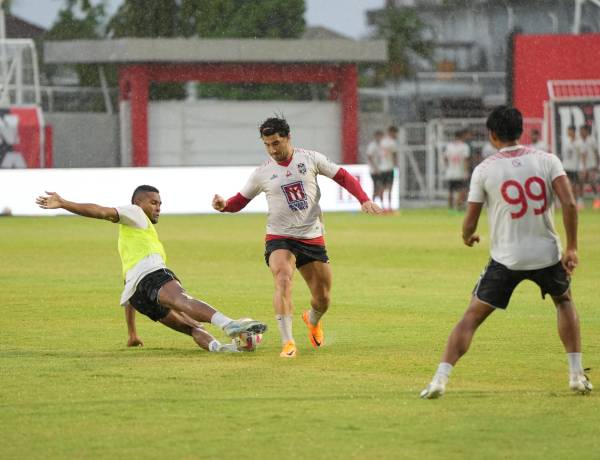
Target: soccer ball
[{"x": 248, "y": 341}]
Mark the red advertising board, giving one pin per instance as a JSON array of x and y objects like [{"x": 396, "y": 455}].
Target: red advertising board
[
  {"x": 540, "y": 58},
  {"x": 22, "y": 136}
]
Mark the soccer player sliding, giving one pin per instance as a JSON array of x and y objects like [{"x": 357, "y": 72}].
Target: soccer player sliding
[
  {"x": 150, "y": 287},
  {"x": 519, "y": 185},
  {"x": 295, "y": 225}
]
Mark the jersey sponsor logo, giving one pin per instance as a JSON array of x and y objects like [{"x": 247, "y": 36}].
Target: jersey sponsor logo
[
  {"x": 295, "y": 196},
  {"x": 301, "y": 168}
]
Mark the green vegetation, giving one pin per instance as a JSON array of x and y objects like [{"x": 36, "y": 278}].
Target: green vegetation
[{"x": 69, "y": 388}]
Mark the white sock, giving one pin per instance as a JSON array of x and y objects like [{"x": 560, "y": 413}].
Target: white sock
[
  {"x": 214, "y": 345},
  {"x": 575, "y": 367},
  {"x": 220, "y": 320},
  {"x": 284, "y": 322},
  {"x": 314, "y": 316},
  {"x": 443, "y": 373}
]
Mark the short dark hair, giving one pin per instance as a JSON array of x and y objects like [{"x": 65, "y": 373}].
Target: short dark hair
[
  {"x": 506, "y": 123},
  {"x": 393, "y": 129},
  {"x": 588, "y": 128},
  {"x": 379, "y": 132},
  {"x": 274, "y": 125},
  {"x": 572, "y": 127},
  {"x": 535, "y": 131},
  {"x": 142, "y": 189}
]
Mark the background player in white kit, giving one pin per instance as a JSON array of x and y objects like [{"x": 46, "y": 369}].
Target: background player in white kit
[
  {"x": 373, "y": 157},
  {"x": 456, "y": 172},
  {"x": 519, "y": 185},
  {"x": 588, "y": 157},
  {"x": 388, "y": 159},
  {"x": 294, "y": 225},
  {"x": 570, "y": 160}
]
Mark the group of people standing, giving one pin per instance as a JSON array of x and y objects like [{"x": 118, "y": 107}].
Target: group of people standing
[{"x": 581, "y": 159}]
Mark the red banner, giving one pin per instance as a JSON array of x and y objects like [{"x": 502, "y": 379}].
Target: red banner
[{"x": 22, "y": 138}]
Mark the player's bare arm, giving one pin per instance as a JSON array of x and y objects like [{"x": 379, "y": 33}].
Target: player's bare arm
[
  {"x": 53, "y": 200},
  {"x": 562, "y": 189},
  {"x": 133, "y": 340},
  {"x": 470, "y": 223}
]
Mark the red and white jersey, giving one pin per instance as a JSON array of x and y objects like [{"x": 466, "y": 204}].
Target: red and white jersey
[
  {"x": 292, "y": 193},
  {"x": 516, "y": 184}
]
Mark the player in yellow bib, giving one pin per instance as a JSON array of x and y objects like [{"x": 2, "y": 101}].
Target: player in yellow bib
[{"x": 150, "y": 287}]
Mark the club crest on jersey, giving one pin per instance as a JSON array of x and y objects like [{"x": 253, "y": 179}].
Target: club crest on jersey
[
  {"x": 274, "y": 176},
  {"x": 301, "y": 168},
  {"x": 295, "y": 196},
  {"x": 288, "y": 173},
  {"x": 516, "y": 163}
]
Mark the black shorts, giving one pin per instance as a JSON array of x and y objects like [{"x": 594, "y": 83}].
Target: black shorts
[
  {"x": 573, "y": 177},
  {"x": 386, "y": 178},
  {"x": 305, "y": 253},
  {"x": 145, "y": 298},
  {"x": 455, "y": 185},
  {"x": 376, "y": 178},
  {"x": 497, "y": 282}
]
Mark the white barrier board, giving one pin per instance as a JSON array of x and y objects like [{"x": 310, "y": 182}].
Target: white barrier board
[{"x": 183, "y": 190}]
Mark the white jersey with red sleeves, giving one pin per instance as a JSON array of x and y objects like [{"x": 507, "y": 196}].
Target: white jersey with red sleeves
[
  {"x": 516, "y": 184},
  {"x": 292, "y": 193}
]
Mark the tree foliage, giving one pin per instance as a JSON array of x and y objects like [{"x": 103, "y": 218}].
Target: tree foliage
[
  {"x": 79, "y": 19},
  {"x": 150, "y": 19},
  {"x": 403, "y": 29}
]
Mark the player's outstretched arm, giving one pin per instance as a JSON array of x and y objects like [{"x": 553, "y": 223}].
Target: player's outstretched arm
[
  {"x": 53, "y": 200},
  {"x": 133, "y": 340},
  {"x": 470, "y": 223},
  {"x": 349, "y": 182},
  {"x": 562, "y": 189}
]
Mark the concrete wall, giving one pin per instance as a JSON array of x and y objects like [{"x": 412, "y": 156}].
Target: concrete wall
[
  {"x": 85, "y": 140},
  {"x": 225, "y": 133}
]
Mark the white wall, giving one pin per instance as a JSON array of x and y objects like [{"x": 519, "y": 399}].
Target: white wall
[
  {"x": 207, "y": 133},
  {"x": 183, "y": 190}
]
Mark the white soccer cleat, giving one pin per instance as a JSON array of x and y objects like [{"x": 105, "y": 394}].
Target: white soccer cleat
[
  {"x": 238, "y": 326},
  {"x": 580, "y": 384},
  {"x": 434, "y": 390}
]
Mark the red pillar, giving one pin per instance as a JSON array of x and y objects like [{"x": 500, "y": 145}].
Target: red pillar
[
  {"x": 138, "y": 86},
  {"x": 348, "y": 84}
]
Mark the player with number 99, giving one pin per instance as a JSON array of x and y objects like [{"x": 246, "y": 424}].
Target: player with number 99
[{"x": 519, "y": 185}]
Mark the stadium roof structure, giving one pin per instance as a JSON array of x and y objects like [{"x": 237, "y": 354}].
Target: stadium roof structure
[{"x": 142, "y": 61}]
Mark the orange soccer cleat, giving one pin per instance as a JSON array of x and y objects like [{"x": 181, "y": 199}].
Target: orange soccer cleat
[
  {"x": 315, "y": 333},
  {"x": 289, "y": 350}
]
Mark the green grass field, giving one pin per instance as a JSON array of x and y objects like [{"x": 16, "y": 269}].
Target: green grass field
[{"x": 70, "y": 388}]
